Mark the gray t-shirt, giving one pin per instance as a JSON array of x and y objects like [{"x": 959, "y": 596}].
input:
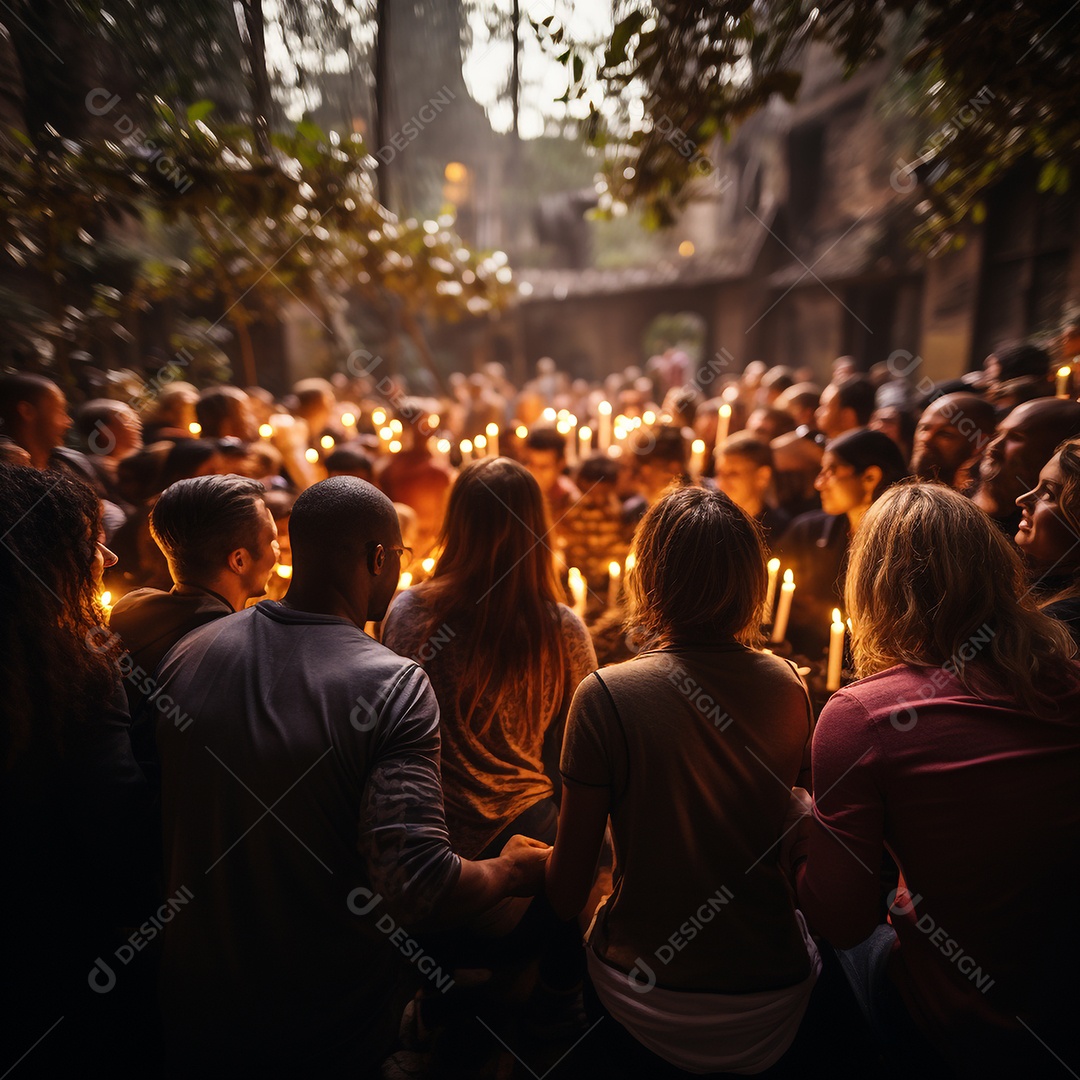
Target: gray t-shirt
[{"x": 304, "y": 766}]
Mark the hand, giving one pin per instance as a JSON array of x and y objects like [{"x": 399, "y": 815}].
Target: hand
[
  {"x": 796, "y": 830},
  {"x": 527, "y": 860}
]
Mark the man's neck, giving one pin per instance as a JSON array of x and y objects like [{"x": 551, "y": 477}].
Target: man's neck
[
  {"x": 226, "y": 589},
  {"x": 318, "y": 600}
]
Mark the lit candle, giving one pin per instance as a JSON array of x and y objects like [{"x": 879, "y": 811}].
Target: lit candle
[
  {"x": 443, "y": 446},
  {"x": 614, "y": 580},
  {"x": 723, "y": 423},
  {"x": 697, "y": 459},
  {"x": 106, "y": 601},
  {"x": 266, "y": 431},
  {"x": 770, "y": 595},
  {"x": 428, "y": 565},
  {"x": 577, "y": 590},
  {"x": 604, "y": 434},
  {"x": 522, "y": 432},
  {"x": 783, "y": 608},
  {"x": 492, "y": 431},
  {"x": 195, "y": 429},
  {"x": 466, "y": 451},
  {"x": 631, "y": 562},
  {"x": 836, "y": 651},
  {"x": 564, "y": 428},
  {"x": 348, "y": 419},
  {"x": 480, "y": 445},
  {"x": 327, "y": 442},
  {"x": 405, "y": 581},
  {"x": 585, "y": 439},
  {"x": 1063, "y": 375}
]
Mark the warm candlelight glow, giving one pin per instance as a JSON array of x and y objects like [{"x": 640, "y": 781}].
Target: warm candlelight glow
[
  {"x": 697, "y": 446},
  {"x": 378, "y": 417},
  {"x": 604, "y": 408},
  {"x": 783, "y": 608},
  {"x": 578, "y": 590},
  {"x": 405, "y": 580},
  {"x": 492, "y": 430},
  {"x": 327, "y": 442},
  {"x": 614, "y": 578},
  {"x": 770, "y": 595},
  {"x": 521, "y": 431},
  {"x": 265, "y": 431},
  {"x": 283, "y": 570},
  {"x": 631, "y": 562},
  {"x": 480, "y": 442},
  {"x": 106, "y": 599},
  {"x": 312, "y": 455},
  {"x": 836, "y": 652},
  {"x": 1064, "y": 372},
  {"x": 548, "y": 414},
  {"x": 648, "y": 417},
  {"x": 195, "y": 429},
  {"x": 395, "y": 426},
  {"x": 428, "y": 564},
  {"x": 395, "y": 446},
  {"x": 348, "y": 419},
  {"x": 443, "y": 446}
]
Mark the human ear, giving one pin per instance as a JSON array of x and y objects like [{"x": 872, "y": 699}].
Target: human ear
[{"x": 871, "y": 477}]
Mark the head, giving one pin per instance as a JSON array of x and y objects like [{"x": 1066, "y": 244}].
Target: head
[
  {"x": 51, "y": 563},
  {"x": 110, "y": 429},
  {"x": 175, "y": 407},
  {"x": 800, "y": 401},
  {"x": 216, "y": 532},
  {"x": 896, "y": 422},
  {"x": 350, "y": 461},
  {"x": 597, "y": 479},
  {"x": 545, "y": 457},
  {"x": 1016, "y": 360},
  {"x": 314, "y": 404},
  {"x": 773, "y": 383},
  {"x": 226, "y": 412},
  {"x": 769, "y": 423},
  {"x": 192, "y": 457},
  {"x": 744, "y": 471},
  {"x": 1049, "y": 532},
  {"x": 1023, "y": 443},
  {"x": 845, "y": 404},
  {"x": 951, "y": 433},
  {"x": 346, "y": 547},
  {"x": 857, "y": 469},
  {"x": 659, "y": 457},
  {"x": 931, "y": 581},
  {"x": 33, "y": 413},
  {"x": 699, "y": 571}
]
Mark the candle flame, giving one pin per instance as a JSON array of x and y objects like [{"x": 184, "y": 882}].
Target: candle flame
[
  {"x": 428, "y": 564},
  {"x": 836, "y": 620},
  {"x": 106, "y": 598},
  {"x": 585, "y": 433},
  {"x": 631, "y": 562},
  {"x": 195, "y": 429},
  {"x": 378, "y": 417},
  {"x": 405, "y": 580},
  {"x": 480, "y": 442},
  {"x": 548, "y": 414},
  {"x": 492, "y": 430},
  {"x": 1064, "y": 372},
  {"x": 348, "y": 419},
  {"x": 265, "y": 431},
  {"x": 614, "y": 568},
  {"x": 283, "y": 570},
  {"x": 789, "y": 577},
  {"x": 394, "y": 447},
  {"x": 327, "y": 442},
  {"x": 774, "y": 566},
  {"x": 311, "y": 455},
  {"x": 522, "y": 432},
  {"x": 725, "y": 410},
  {"x": 443, "y": 446},
  {"x": 604, "y": 408},
  {"x": 466, "y": 446},
  {"x": 698, "y": 446}
]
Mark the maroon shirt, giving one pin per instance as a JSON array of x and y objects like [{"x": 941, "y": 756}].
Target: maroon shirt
[{"x": 978, "y": 801}]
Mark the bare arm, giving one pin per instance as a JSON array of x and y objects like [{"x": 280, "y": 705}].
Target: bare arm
[{"x": 570, "y": 871}]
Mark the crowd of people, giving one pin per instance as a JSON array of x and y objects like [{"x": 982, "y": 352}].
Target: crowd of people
[{"x": 339, "y": 723}]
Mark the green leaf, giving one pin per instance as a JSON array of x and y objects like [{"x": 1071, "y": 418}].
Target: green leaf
[
  {"x": 199, "y": 110},
  {"x": 620, "y": 38}
]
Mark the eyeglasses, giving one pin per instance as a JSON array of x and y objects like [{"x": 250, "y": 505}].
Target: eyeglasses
[{"x": 404, "y": 555}]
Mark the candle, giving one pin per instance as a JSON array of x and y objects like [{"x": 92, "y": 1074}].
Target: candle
[
  {"x": 443, "y": 446},
  {"x": 585, "y": 439},
  {"x": 266, "y": 431},
  {"x": 783, "y": 609},
  {"x": 522, "y": 432},
  {"x": 836, "y": 651},
  {"x": 564, "y": 428},
  {"x": 577, "y": 590},
  {"x": 697, "y": 459},
  {"x": 614, "y": 580},
  {"x": 492, "y": 431},
  {"x": 348, "y": 419},
  {"x": 405, "y": 581},
  {"x": 1063, "y": 375},
  {"x": 428, "y": 564},
  {"x": 327, "y": 442},
  {"x": 631, "y": 562},
  {"x": 466, "y": 451},
  {"x": 770, "y": 595},
  {"x": 604, "y": 434},
  {"x": 480, "y": 445},
  {"x": 723, "y": 423},
  {"x": 195, "y": 429}
]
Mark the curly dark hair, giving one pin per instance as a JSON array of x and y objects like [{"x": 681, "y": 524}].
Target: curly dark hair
[{"x": 58, "y": 664}]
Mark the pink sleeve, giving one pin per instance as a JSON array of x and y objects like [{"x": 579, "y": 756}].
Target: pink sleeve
[{"x": 838, "y": 885}]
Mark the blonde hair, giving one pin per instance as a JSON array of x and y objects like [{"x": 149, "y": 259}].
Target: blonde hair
[{"x": 932, "y": 583}]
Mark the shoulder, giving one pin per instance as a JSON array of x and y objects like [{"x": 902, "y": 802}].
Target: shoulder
[{"x": 135, "y": 600}]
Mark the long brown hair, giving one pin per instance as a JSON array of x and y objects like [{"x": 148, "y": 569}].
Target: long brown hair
[
  {"x": 1068, "y": 455},
  {"x": 495, "y": 584},
  {"x": 932, "y": 583},
  {"x": 699, "y": 570}
]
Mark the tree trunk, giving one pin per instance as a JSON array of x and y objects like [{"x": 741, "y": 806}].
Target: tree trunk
[
  {"x": 381, "y": 130},
  {"x": 261, "y": 102}
]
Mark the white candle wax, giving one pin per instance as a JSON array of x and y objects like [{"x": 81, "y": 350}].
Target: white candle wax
[
  {"x": 783, "y": 609},
  {"x": 836, "y": 651}
]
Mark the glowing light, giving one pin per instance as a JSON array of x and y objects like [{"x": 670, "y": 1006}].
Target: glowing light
[
  {"x": 686, "y": 248},
  {"x": 563, "y": 427},
  {"x": 521, "y": 431},
  {"x": 378, "y": 417},
  {"x": 631, "y": 562},
  {"x": 265, "y": 431},
  {"x": 648, "y": 417},
  {"x": 428, "y": 564},
  {"x": 283, "y": 570},
  {"x": 395, "y": 447},
  {"x": 604, "y": 408},
  {"x": 395, "y": 426},
  {"x": 312, "y": 455},
  {"x": 548, "y": 414},
  {"x": 106, "y": 599},
  {"x": 455, "y": 173},
  {"x": 405, "y": 580},
  {"x": 585, "y": 433},
  {"x": 195, "y": 429},
  {"x": 492, "y": 430},
  {"x": 698, "y": 446},
  {"x": 443, "y": 446},
  {"x": 327, "y": 442},
  {"x": 386, "y": 433},
  {"x": 480, "y": 442},
  {"x": 348, "y": 419}
]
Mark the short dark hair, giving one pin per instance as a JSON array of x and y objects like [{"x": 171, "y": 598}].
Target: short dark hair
[
  {"x": 859, "y": 393},
  {"x": 334, "y": 521},
  {"x": 215, "y": 406},
  {"x": 197, "y": 522},
  {"x": 699, "y": 569},
  {"x": 662, "y": 443},
  {"x": 743, "y": 444},
  {"x": 863, "y": 448},
  {"x": 16, "y": 388},
  {"x": 348, "y": 459},
  {"x": 546, "y": 438},
  {"x": 778, "y": 378},
  {"x": 103, "y": 410},
  {"x": 1021, "y": 359},
  {"x": 598, "y": 469}
]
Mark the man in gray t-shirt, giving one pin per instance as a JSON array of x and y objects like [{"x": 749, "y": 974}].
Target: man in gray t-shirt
[{"x": 303, "y": 814}]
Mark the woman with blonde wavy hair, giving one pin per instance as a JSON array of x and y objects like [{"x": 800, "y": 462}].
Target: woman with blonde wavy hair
[{"x": 958, "y": 752}]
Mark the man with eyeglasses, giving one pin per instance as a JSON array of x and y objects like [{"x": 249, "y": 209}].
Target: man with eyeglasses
[{"x": 302, "y": 807}]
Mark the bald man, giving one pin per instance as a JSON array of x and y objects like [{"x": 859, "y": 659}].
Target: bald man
[
  {"x": 1023, "y": 443},
  {"x": 302, "y": 808},
  {"x": 950, "y": 436}
]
